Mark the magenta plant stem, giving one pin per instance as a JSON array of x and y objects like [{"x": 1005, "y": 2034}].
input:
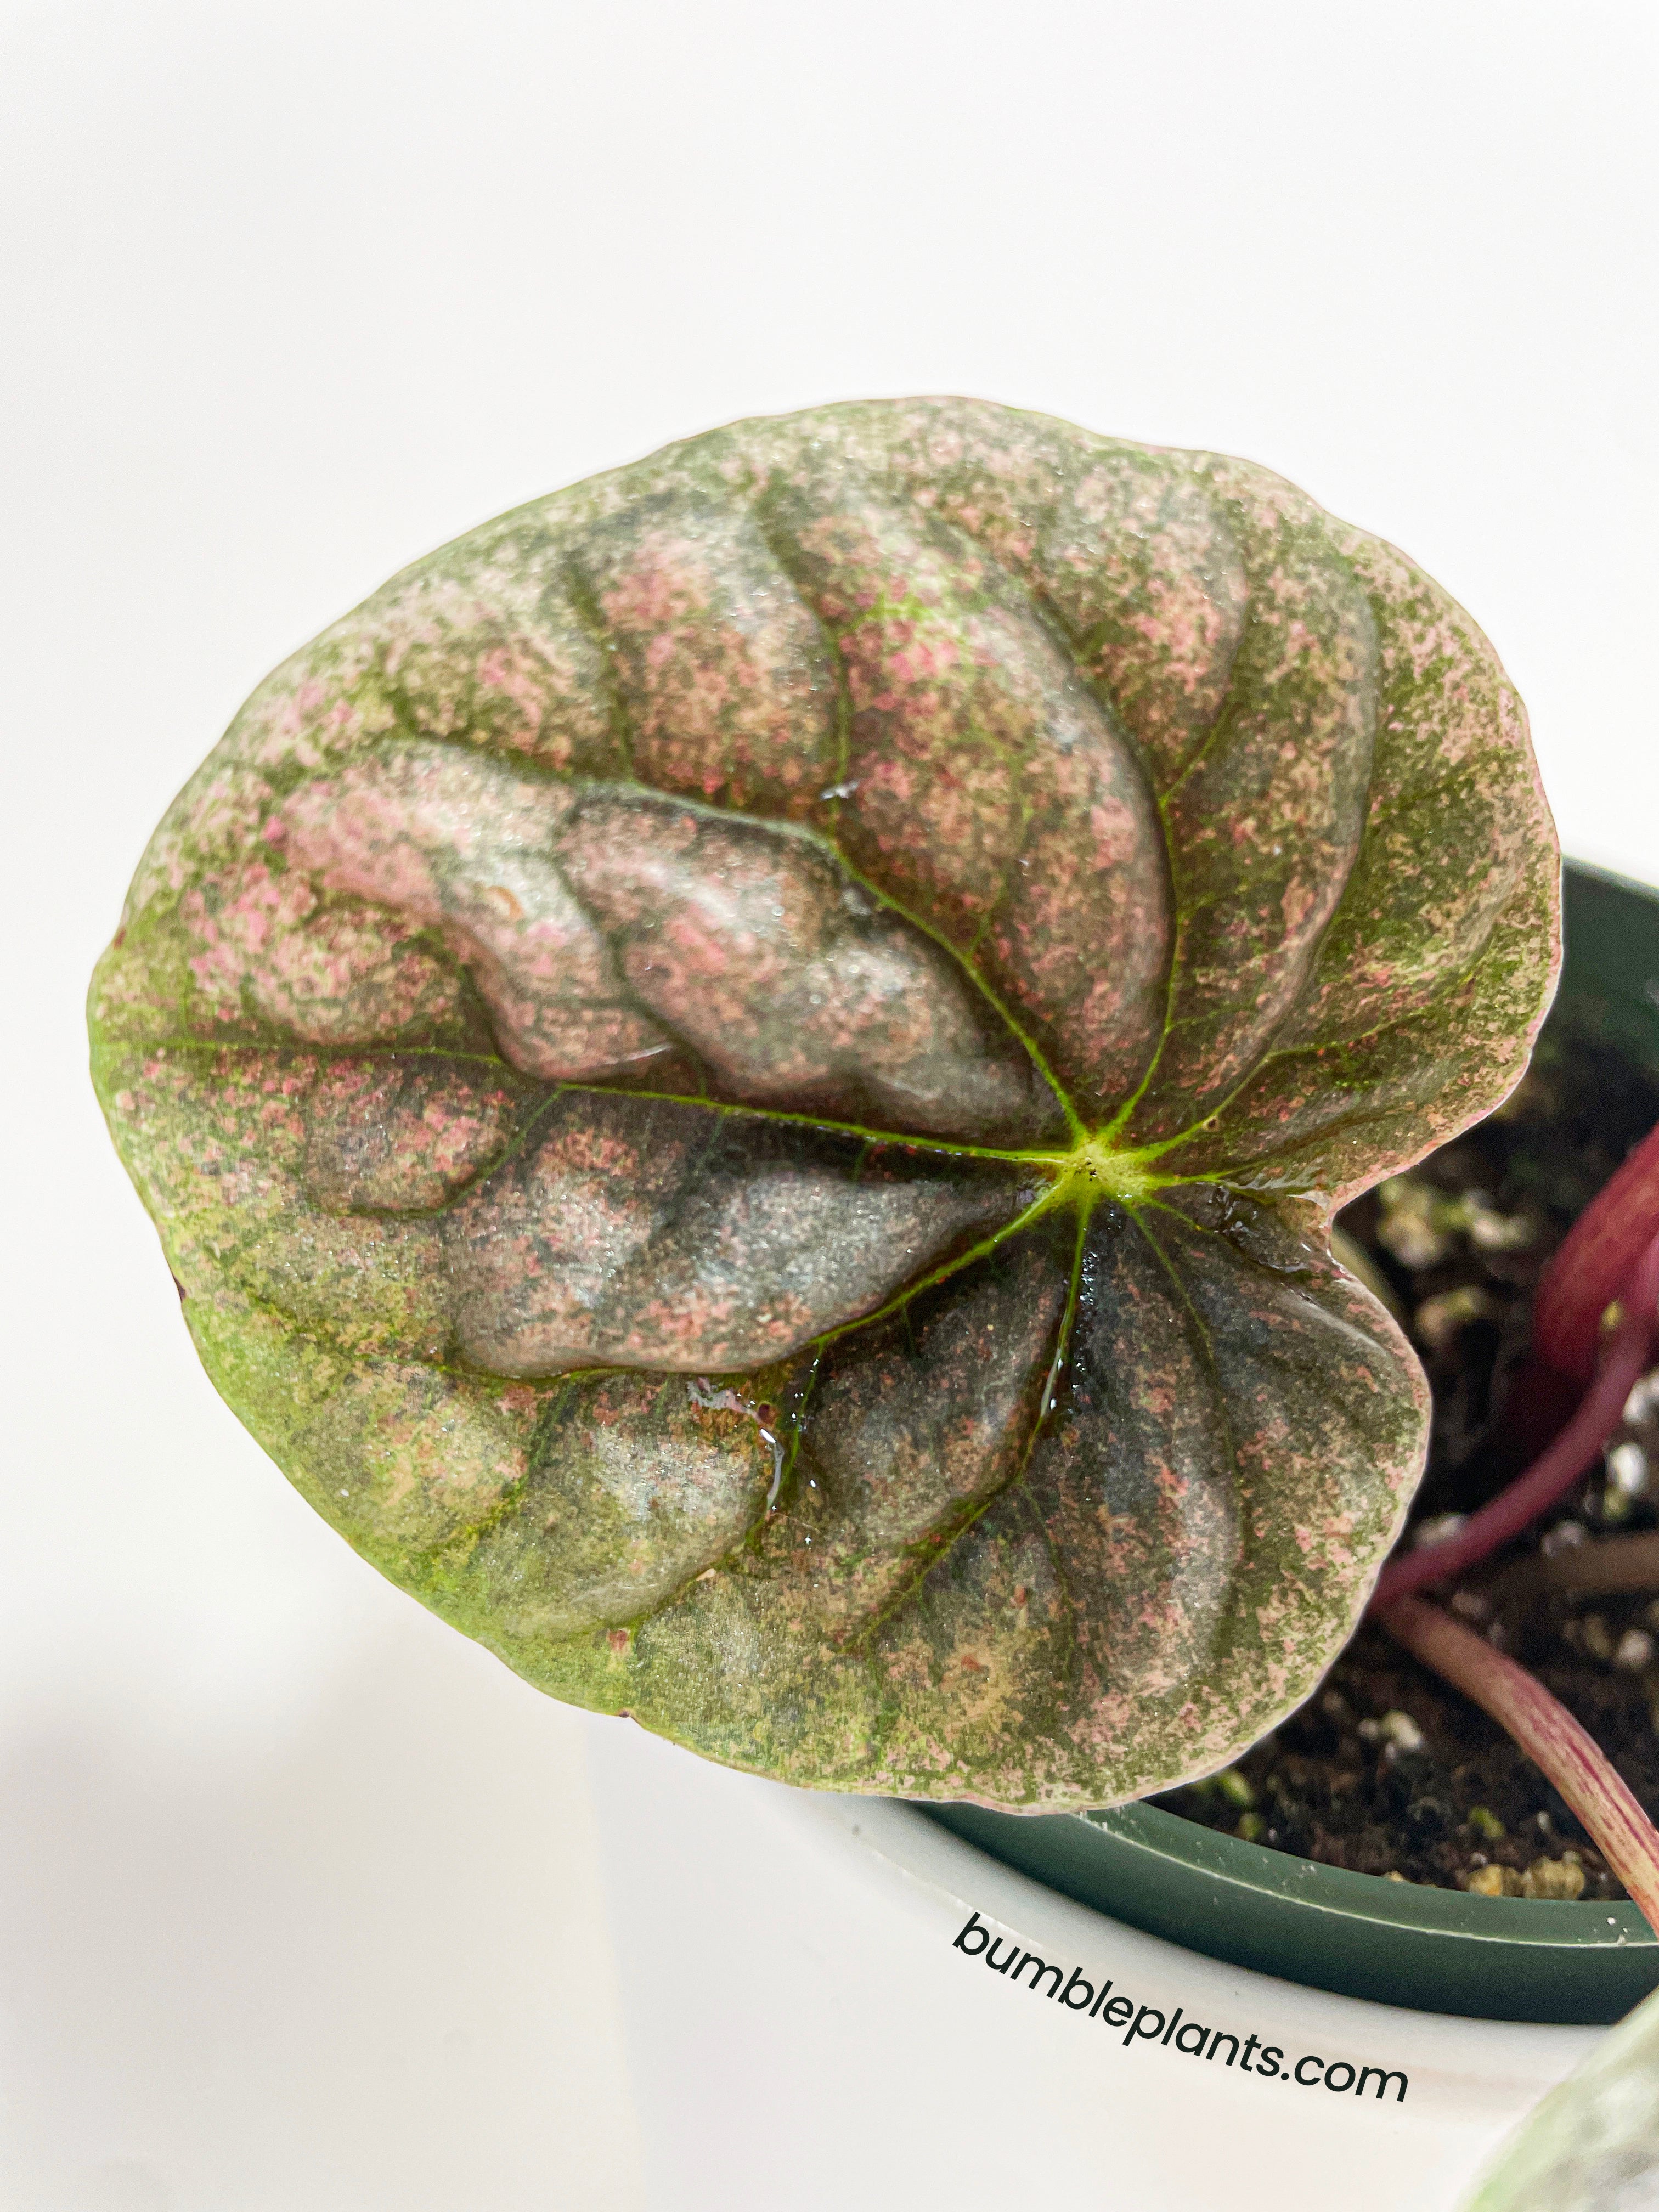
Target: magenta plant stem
[
  {"x": 1549, "y": 1735},
  {"x": 1596, "y": 1260},
  {"x": 1556, "y": 1469}
]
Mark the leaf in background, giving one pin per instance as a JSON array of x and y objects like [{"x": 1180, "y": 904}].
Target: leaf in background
[
  {"x": 746, "y": 1071},
  {"x": 1593, "y": 2144}
]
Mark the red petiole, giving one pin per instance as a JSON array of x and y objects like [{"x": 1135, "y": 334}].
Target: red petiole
[
  {"x": 1549, "y": 1735},
  {"x": 1563, "y": 1463},
  {"x": 1596, "y": 1264},
  {"x": 1612, "y": 1252}
]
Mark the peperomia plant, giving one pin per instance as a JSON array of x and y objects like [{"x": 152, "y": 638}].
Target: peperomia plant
[{"x": 746, "y": 1073}]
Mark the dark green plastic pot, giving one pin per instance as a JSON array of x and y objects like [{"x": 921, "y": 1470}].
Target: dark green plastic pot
[{"x": 1488, "y": 1958}]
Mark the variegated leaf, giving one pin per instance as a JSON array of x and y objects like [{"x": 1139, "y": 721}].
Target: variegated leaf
[{"x": 746, "y": 1071}]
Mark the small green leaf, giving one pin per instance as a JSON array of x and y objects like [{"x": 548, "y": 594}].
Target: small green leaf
[
  {"x": 1593, "y": 2144},
  {"x": 745, "y": 1074}
]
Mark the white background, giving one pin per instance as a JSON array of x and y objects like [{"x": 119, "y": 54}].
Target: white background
[{"x": 302, "y": 1898}]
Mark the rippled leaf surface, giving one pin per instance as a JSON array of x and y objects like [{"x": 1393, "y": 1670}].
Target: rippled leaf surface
[{"x": 745, "y": 1071}]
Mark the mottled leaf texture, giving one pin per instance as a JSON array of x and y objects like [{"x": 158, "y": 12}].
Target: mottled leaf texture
[{"x": 745, "y": 1074}]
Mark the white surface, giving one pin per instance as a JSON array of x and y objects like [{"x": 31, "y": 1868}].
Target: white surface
[
  {"x": 795, "y": 2007},
  {"x": 299, "y": 1895}
]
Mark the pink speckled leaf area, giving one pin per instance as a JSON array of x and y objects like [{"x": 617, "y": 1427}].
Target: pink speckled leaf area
[{"x": 746, "y": 1073}]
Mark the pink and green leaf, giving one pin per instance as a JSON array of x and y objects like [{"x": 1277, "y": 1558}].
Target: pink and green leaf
[{"x": 746, "y": 1073}]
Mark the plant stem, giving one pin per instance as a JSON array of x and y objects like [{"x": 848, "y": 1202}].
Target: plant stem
[
  {"x": 1599, "y": 1570},
  {"x": 1593, "y": 1262},
  {"x": 1547, "y": 1733},
  {"x": 1560, "y": 1465}
]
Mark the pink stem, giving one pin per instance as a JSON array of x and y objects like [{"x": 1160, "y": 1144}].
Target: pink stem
[
  {"x": 1595, "y": 1261},
  {"x": 1549, "y": 1735},
  {"x": 1555, "y": 1471}
]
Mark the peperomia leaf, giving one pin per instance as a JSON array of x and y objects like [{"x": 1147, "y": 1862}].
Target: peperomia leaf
[
  {"x": 1592, "y": 2145},
  {"x": 745, "y": 1074}
]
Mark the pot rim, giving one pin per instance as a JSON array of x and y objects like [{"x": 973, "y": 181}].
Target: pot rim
[
  {"x": 1539, "y": 1924},
  {"x": 1436, "y": 1950}
]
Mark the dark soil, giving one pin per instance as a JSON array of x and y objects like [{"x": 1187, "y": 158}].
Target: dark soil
[{"x": 1388, "y": 1770}]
